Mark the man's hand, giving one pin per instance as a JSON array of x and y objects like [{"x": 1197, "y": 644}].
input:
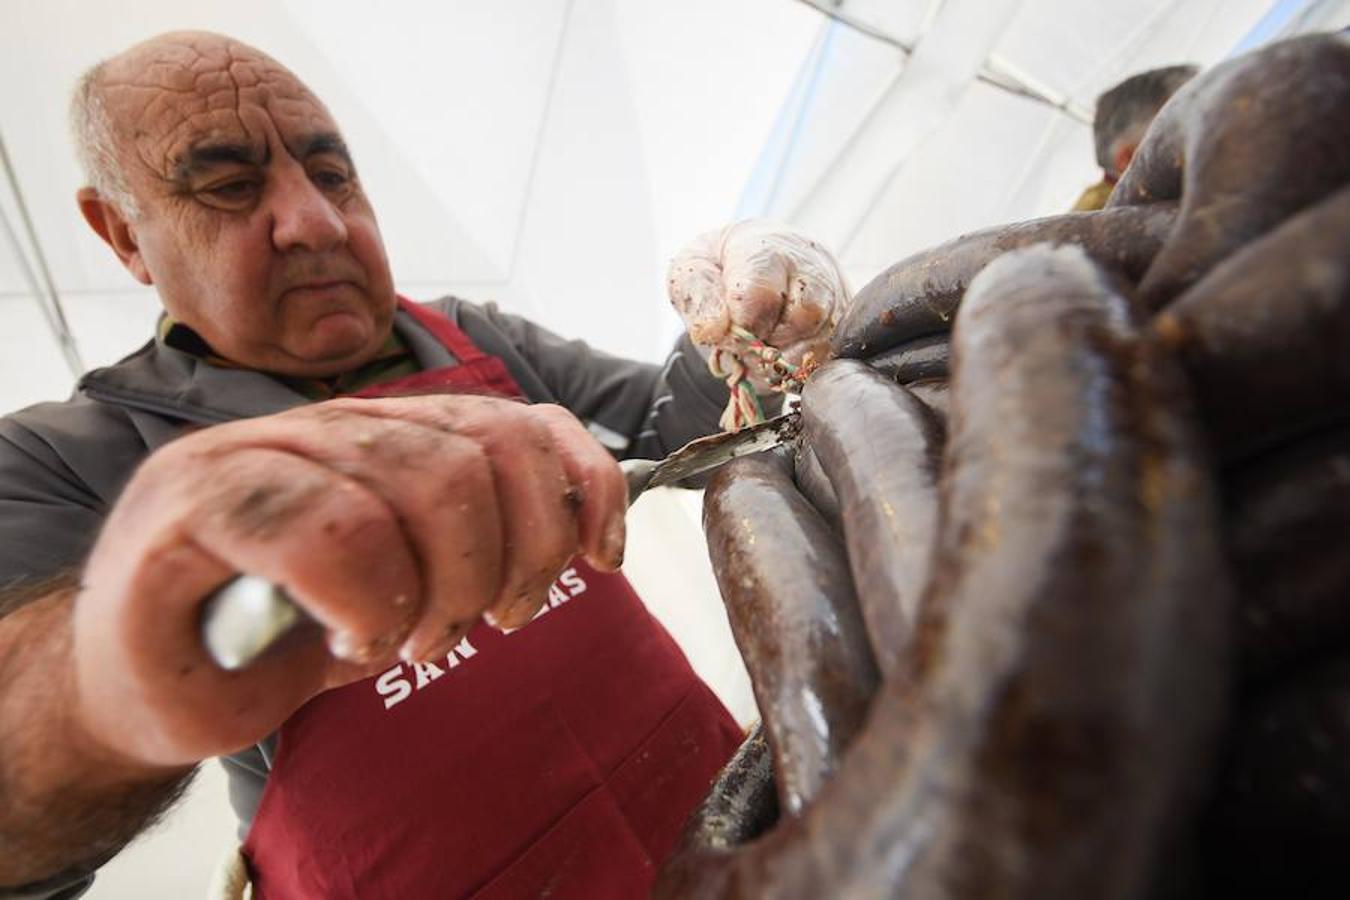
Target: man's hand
[
  {"x": 765, "y": 279},
  {"x": 395, "y": 523}
]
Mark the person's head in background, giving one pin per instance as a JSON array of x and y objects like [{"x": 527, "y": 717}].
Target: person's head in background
[
  {"x": 1125, "y": 111},
  {"x": 1122, "y": 117}
]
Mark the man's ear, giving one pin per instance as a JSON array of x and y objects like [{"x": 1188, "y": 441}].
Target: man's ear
[
  {"x": 1124, "y": 153},
  {"x": 109, "y": 223}
]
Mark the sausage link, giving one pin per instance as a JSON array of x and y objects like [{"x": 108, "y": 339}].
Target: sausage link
[
  {"x": 741, "y": 805},
  {"x": 1080, "y": 682},
  {"x": 790, "y": 601},
  {"x": 1288, "y": 515},
  {"x": 742, "y": 802},
  {"x": 1279, "y": 823},
  {"x": 935, "y": 394},
  {"x": 921, "y": 359},
  {"x": 881, "y": 449},
  {"x": 1265, "y": 336},
  {"x": 919, "y": 295},
  {"x": 815, "y": 486}
]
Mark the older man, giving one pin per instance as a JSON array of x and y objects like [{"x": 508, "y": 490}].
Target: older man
[{"x": 401, "y": 747}]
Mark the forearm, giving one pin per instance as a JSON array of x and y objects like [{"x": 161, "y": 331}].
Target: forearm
[{"x": 65, "y": 802}]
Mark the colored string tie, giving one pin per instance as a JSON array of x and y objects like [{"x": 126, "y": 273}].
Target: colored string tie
[{"x": 743, "y": 406}]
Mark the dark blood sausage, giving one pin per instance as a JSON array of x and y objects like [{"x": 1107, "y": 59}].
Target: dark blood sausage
[
  {"x": 881, "y": 449},
  {"x": 919, "y": 295},
  {"x": 1080, "y": 681},
  {"x": 1288, "y": 534},
  {"x": 741, "y": 805},
  {"x": 1265, "y": 336},
  {"x": 1070, "y": 665},
  {"x": 815, "y": 486},
  {"x": 789, "y": 598},
  {"x": 917, "y": 360},
  {"x": 935, "y": 394},
  {"x": 1244, "y": 145},
  {"x": 1279, "y": 824}
]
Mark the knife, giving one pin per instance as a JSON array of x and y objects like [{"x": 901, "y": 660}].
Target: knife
[{"x": 249, "y": 613}]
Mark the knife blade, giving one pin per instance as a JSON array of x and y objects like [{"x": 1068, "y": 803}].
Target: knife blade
[
  {"x": 248, "y": 614},
  {"x": 707, "y": 453}
]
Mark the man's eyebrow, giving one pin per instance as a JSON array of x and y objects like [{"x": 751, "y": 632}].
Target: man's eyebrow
[
  {"x": 206, "y": 156},
  {"x": 327, "y": 142}
]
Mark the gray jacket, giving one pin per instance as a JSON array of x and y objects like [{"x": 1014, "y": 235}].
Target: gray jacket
[{"x": 62, "y": 465}]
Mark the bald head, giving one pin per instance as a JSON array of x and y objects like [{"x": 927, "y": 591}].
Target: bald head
[
  {"x": 175, "y": 75},
  {"x": 218, "y": 177}
]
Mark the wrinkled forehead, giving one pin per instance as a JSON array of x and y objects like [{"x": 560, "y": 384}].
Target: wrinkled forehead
[{"x": 169, "y": 97}]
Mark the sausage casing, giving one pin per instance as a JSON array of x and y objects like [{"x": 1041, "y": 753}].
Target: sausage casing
[
  {"x": 919, "y": 295},
  {"x": 1265, "y": 336},
  {"x": 790, "y": 601},
  {"x": 881, "y": 448}
]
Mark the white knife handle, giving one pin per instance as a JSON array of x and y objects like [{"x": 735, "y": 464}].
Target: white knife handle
[{"x": 244, "y": 618}]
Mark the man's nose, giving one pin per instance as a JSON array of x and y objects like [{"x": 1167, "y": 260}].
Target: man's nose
[{"x": 303, "y": 218}]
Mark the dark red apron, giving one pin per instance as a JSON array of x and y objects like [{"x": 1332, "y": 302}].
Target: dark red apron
[{"x": 557, "y": 761}]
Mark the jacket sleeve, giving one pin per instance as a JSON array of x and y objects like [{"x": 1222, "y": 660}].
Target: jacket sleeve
[
  {"x": 62, "y": 466},
  {"x": 633, "y": 408},
  {"x": 48, "y": 516},
  {"x": 59, "y": 888}
]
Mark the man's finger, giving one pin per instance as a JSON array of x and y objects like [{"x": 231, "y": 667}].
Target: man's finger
[
  {"x": 694, "y": 285},
  {"x": 755, "y": 281},
  {"x": 600, "y": 519},
  {"x": 442, "y": 491},
  {"x": 538, "y": 505},
  {"x": 792, "y": 286},
  {"x": 812, "y": 301}
]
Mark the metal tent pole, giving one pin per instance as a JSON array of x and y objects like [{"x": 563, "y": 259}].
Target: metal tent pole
[
  {"x": 52, "y": 309},
  {"x": 995, "y": 73},
  {"x": 834, "y": 10}
]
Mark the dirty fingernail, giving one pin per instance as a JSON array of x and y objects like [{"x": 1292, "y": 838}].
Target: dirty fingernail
[
  {"x": 438, "y": 648},
  {"x": 515, "y": 613},
  {"x": 612, "y": 542}
]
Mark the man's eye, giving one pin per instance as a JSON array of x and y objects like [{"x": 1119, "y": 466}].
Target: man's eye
[
  {"x": 331, "y": 179},
  {"x": 232, "y": 191}
]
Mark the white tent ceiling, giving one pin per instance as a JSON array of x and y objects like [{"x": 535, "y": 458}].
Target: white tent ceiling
[{"x": 552, "y": 154}]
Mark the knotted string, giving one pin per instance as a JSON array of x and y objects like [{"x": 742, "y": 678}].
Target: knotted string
[{"x": 743, "y": 407}]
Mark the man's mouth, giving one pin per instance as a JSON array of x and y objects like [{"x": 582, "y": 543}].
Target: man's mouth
[{"x": 318, "y": 285}]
